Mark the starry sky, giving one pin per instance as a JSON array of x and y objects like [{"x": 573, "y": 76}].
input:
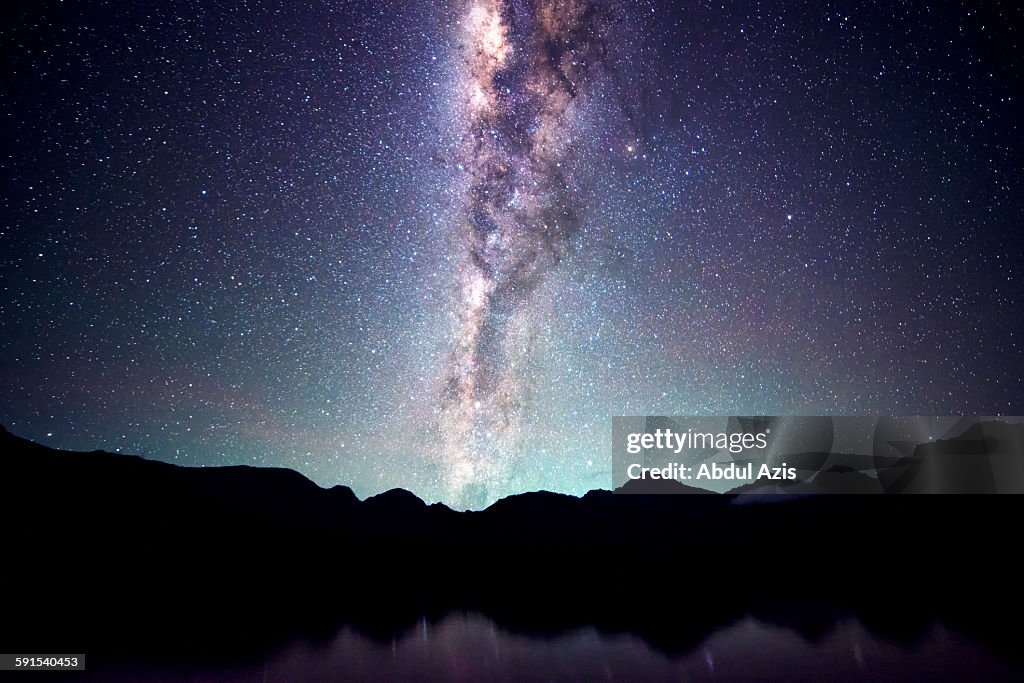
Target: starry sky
[{"x": 437, "y": 245}]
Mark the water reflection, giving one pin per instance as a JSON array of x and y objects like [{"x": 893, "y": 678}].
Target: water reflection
[{"x": 471, "y": 647}]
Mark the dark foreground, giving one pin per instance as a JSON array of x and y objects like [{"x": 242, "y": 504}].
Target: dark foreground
[{"x": 147, "y": 566}]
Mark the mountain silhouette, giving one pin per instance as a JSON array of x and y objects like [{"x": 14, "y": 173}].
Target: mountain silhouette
[{"x": 132, "y": 559}]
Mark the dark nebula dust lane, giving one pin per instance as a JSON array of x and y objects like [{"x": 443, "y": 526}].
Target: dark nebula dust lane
[{"x": 527, "y": 68}]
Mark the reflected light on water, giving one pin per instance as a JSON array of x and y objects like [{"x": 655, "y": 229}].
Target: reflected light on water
[{"x": 471, "y": 647}]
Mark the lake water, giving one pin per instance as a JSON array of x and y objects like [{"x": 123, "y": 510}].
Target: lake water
[{"x": 471, "y": 647}]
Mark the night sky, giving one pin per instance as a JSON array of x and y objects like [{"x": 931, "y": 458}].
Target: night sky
[{"x": 438, "y": 245}]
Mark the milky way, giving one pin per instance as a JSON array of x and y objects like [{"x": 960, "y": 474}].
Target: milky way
[{"x": 527, "y": 67}]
